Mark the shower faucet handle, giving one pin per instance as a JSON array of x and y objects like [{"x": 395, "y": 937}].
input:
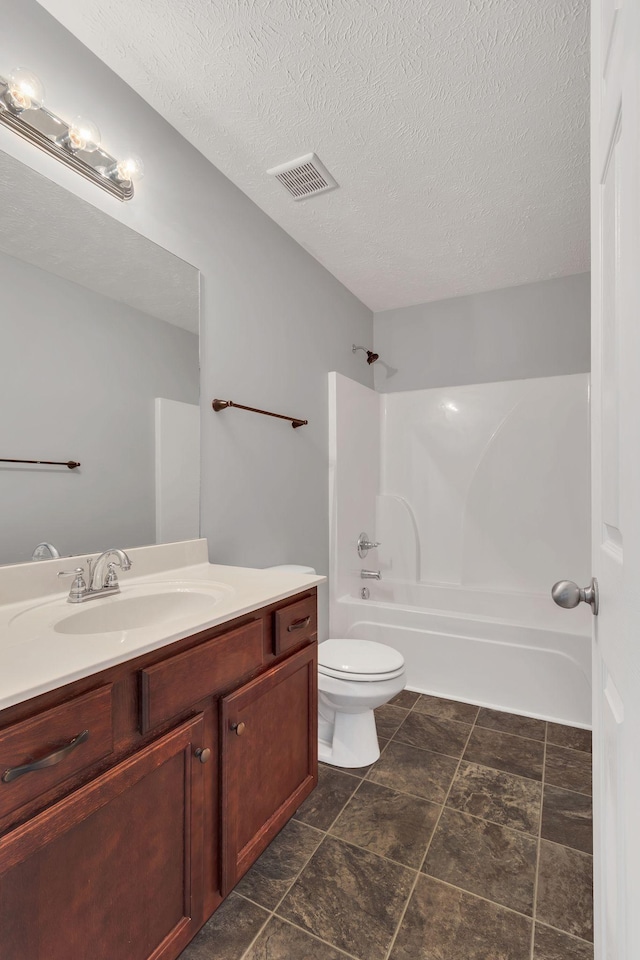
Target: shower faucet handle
[{"x": 364, "y": 545}]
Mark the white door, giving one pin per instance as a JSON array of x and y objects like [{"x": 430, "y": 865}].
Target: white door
[{"x": 615, "y": 221}]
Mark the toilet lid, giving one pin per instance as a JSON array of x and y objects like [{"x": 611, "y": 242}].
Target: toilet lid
[{"x": 357, "y": 659}]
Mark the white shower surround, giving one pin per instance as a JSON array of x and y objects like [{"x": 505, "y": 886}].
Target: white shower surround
[{"x": 480, "y": 496}]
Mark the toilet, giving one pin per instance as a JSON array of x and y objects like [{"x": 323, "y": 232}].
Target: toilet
[{"x": 354, "y": 677}]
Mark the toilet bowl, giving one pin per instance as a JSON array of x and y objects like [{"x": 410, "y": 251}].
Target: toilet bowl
[{"x": 354, "y": 677}]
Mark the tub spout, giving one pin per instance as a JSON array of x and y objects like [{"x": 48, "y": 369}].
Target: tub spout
[{"x": 370, "y": 575}]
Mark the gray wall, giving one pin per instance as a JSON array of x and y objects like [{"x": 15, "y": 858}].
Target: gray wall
[
  {"x": 78, "y": 376},
  {"x": 274, "y": 322},
  {"x": 536, "y": 330}
]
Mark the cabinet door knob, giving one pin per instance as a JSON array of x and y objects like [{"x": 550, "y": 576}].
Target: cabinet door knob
[
  {"x": 203, "y": 754},
  {"x": 239, "y": 728}
]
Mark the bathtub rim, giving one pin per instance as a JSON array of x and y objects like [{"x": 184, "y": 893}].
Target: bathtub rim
[{"x": 456, "y": 615}]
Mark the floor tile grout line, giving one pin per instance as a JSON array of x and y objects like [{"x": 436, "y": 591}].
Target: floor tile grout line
[
  {"x": 314, "y": 936},
  {"x": 407, "y": 793},
  {"x": 537, "y": 873},
  {"x": 509, "y": 773},
  {"x": 565, "y": 846},
  {"x": 430, "y": 716},
  {"x": 356, "y": 846},
  {"x": 566, "y": 933},
  {"x": 478, "y": 896},
  {"x": 422, "y": 863},
  {"x": 521, "y": 832},
  {"x": 551, "y": 743},
  {"x": 560, "y": 746},
  {"x": 473, "y": 727},
  {"x": 579, "y": 793},
  {"x": 435, "y": 717},
  {"x": 272, "y": 911},
  {"x": 248, "y": 899},
  {"x": 495, "y": 823},
  {"x": 344, "y": 805},
  {"x": 434, "y": 803},
  {"x": 448, "y": 756},
  {"x": 463, "y": 757},
  {"x": 262, "y": 926},
  {"x": 304, "y": 865},
  {"x": 427, "y": 750},
  {"x": 475, "y": 723},
  {"x": 403, "y": 743},
  {"x": 508, "y": 733}
]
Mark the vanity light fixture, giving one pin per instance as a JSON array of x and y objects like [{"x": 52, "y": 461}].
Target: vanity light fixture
[{"x": 75, "y": 143}]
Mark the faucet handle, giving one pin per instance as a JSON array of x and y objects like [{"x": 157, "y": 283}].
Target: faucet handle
[
  {"x": 79, "y": 586},
  {"x": 78, "y": 572},
  {"x": 111, "y": 579},
  {"x": 364, "y": 545}
]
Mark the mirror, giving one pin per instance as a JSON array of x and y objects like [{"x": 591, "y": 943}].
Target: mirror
[{"x": 98, "y": 365}]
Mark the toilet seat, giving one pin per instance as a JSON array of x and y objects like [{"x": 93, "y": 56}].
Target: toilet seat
[{"x": 362, "y": 661}]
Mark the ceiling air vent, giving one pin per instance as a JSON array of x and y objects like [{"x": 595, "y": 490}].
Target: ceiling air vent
[{"x": 304, "y": 177}]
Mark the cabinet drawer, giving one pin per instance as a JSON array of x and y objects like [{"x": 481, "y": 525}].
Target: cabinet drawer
[
  {"x": 42, "y": 752},
  {"x": 294, "y": 624},
  {"x": 175, "y": 684}
]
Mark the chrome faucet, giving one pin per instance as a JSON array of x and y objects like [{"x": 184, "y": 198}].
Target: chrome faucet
[
  {"x": 104, "y": 575},
  {"x": 103, "y": 579},
  {"x": 45, "y": 551},
  {"x": 370, "y": 575}
]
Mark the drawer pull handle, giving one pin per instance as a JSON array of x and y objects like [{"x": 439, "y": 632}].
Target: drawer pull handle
[
  {"x": 299, "y": 624},
  {"x": 238, "y": 728},
  {"x": 203, "y": 754},
  {"x": 56, "y": 757}
]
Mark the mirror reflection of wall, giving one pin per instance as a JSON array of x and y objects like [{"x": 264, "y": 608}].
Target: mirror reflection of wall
[{"x": 84, "y": 359}]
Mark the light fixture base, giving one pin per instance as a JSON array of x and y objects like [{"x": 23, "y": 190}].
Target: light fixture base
[{"x": 45, "y": 130}]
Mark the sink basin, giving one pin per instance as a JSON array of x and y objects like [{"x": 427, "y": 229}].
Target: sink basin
[
  {"x": 132, "y": 613},
  {"x": 137, "y": 607}
]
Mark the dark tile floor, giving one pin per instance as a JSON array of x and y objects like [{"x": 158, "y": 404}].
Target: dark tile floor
[{"x": 469, "y": 839}]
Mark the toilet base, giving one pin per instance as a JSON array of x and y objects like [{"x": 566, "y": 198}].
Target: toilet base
[{"x": 351, "y": 741}]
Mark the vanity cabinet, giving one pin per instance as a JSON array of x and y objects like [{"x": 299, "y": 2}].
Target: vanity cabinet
[{"x": 196, "y": 756}]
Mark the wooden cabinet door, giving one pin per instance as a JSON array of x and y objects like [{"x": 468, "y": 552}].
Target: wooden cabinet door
[
  {"x": 114, "y": 869},
  {"x": 268, "y": 755}
]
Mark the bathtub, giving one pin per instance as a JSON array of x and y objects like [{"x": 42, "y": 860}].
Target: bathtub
[{"x": 511, "y": 651}]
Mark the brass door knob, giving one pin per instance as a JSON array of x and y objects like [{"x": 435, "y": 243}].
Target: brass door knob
[
  {"x": 203, "y": 755},
  {"x": 239, "y": 728}
]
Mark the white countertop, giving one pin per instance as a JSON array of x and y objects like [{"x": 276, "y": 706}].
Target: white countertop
[{"x": 34, "y": 658}]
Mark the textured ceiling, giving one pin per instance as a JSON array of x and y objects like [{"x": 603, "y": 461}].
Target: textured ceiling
[
  {"x": 53, "y": 229},
  {"x": 457, "y": 129}
]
